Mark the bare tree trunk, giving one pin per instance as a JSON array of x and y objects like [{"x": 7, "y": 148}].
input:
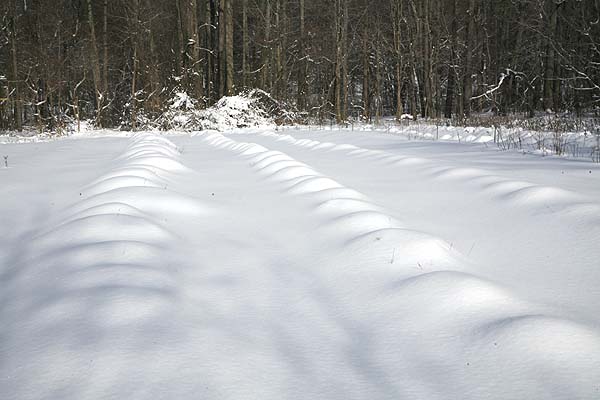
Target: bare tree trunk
[
  {"x": 18, "y": 108},
  {"x": 155, "y": 97},
  {"x": 470, "y": 40},
  {"x": 278, "y": 52},
  {"x": 345, "y": 62},
  {"x": 190, "y": 45},
  {"x": 180, "y": 40},
  {"x": 229, "y": 85},
  {"x": 60, "y": 78},
  {"x": 75, "y": 100},
  {"x": 303, "y": 64},
  {"x": 266, "y": 52},
  {"x": 417, "y": 52},
  {"x": 283, "y": 35},
  {"x": 438, "y": 40},
  {"x": 366, "y": 78},
  {"x": 98, "y": 86},
  {"x": 397, "y": 24},
  {"x": 134, "y": 73},
  {"x": 378, "y": 79},
  {"x": 414, "y": 47},
  {"x": 135, "y": 4},
  {"x": 222, "y": 56},
  {"x": 549, "y": 75},
  {"x": 105, "y": 51},
  {"x": 513, "y": 83},
  {"x": 448, "y": 108},
  {"x": 341, "y": 60},
  {"x": 427, "y": 69},
  {"x": 42, "y": 96},
  {"x": 210, "y": 44},
  {"x": 338, "y": 61},
  {"x": 245, "y": 43}
]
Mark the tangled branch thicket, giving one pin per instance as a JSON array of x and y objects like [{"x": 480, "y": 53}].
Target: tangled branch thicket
[{"x": 118, "y": 62}]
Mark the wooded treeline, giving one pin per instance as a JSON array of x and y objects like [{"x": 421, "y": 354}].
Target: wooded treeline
[{"x": 119, "y": 61}]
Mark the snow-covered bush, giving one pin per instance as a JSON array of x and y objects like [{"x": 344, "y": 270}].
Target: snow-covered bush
[
  {"x": 181, "y": 113},
  {"x": 248, "y": 109}
]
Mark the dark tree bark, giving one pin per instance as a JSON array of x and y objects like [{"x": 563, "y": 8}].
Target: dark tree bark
[
  {"x": 16, "y": 82},
  {"x": 470, "y": 40},
  {"x": 229, "y": 68},
  {"x": 95, "y": 60},
  {"x": 451, "y": 77},
  {"x": 302, "y": 63}
]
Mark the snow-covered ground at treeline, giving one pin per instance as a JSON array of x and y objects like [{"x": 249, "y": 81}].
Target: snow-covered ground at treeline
[{"x": 296, "y": 265}]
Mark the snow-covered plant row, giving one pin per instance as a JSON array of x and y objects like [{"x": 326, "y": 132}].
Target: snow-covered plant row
[{"x": 584, "y": 144}]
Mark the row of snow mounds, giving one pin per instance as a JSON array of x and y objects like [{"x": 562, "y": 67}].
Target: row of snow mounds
[
  {"x": 518, "y": 193},
  {"x": 349, "y": 149},
  {"x": 350, "y": 218},
  {"x": 513, "y": 193},
  {"x": 90, "y": 289},
  {"x": 430, "y": 330}
]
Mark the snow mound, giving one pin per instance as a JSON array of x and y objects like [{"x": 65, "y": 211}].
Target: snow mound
[{"x": 249, "y": 109}]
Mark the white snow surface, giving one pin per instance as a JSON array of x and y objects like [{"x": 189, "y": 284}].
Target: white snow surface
[{"x": 296, "y": 265}]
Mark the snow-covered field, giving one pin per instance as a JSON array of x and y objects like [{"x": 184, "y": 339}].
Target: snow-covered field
[{"x": 296, "y": 265}]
